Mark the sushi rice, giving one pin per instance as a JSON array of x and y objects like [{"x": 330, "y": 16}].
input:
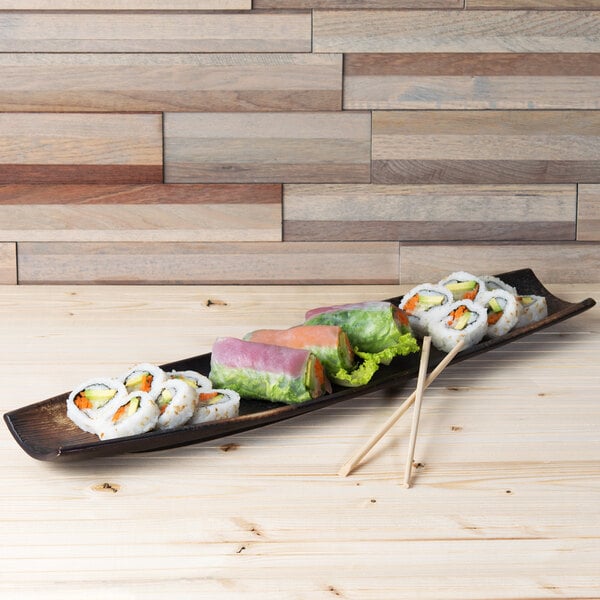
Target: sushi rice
[
  {"x": 88, "y": 403},
  {"x": 144, "y": 377},
  {"x": 419, "y": 302},
  {"x": 134, "y": 414},
  {"x": 503, "y": 311},
  {"x": 176, "y": 401},
  {"x": 214, "y": 405},
  {"x": 461, "y": 320}
]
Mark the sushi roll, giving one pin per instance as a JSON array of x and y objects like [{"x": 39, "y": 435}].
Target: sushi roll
[
  {"x": 463, "y": 285},
  {"x": 503, "y": 311},
  {"x": 130, "y": 415},
  {"x": 419, "y": 302},
  {"x": 144, "y": 377},
  {"x": 533, "y": 308},
  {"x": 176, "y": 402},
  {"x": 461, "y": 320},
  {"x": 215, "y": 405},
  {"x": 87, "y": 403},
  {"x": 199, "y": 382},
  {"x": 266, "y": 371},
  {"x": 495, "y": 283}
]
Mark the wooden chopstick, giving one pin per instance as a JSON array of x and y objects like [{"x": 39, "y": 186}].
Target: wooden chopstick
[
  {"x": 417, "y": 409},
  {"x": 354, "y": 460}
]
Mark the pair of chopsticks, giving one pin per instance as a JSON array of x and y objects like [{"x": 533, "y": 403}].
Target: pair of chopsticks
[{"x": 415, "y": 398}]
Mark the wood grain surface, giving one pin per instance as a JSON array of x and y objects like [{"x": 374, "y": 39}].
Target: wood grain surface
[
  {"x": 170, "y": 82},
  {"x": 358, "y": 4},
  {"x": 168, "y": 213},
  {"x": 566, "y": 262},
  {"x": 155, "y": 32},
  {"x": 500, "y": 466},
  {"x": 125, "y": 5},
  {"x": 456, "y": 31},
  {"x": 87, "y": 148},
  {"x": 196, "y": 263},
  {"x": 534, "y": 4},
  {"x": 429, "y": 212},
  {"x": 8, "y": 263},
  {"x": 588, "y": 213},
  {"x": 269, "y": 147},
  {"x": 486, "y": 146},
  {"x": 472, "y": 81}
]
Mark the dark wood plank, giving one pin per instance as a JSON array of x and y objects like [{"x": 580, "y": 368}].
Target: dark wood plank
[{"x": 73, "y": 194}]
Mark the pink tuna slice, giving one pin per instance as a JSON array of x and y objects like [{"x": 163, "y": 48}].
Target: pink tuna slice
[
  {"x": 240, "y": 354},
  {"x": 370, "y": 305}
]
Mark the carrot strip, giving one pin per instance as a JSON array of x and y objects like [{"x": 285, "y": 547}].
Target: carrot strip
[
  {"x": 205, "y": 396},
  {"x": 119, "y": 413},
  {"x": 81, "y": 402},
  {"x": 411, "y": 304}
]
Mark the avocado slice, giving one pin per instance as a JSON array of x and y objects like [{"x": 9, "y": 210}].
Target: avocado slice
[
  {"x": 461, "y": 286},
  {"x": 133, "y": 405},
  {"x": 462, "y": 321},
  {"x": 99, "y": 396},
  {"x": 433, "y": 300},
  {"x": 495, "y": 305}
]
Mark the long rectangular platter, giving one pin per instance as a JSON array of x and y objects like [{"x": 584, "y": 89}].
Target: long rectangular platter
[{"x": 45, "y": 432}]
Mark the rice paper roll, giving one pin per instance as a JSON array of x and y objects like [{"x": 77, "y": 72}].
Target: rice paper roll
[
  {"x": 215, "y": 405},
  {"x": 144, "y": 377},
  {"x": 463, "y": 285},
  {"x": 176, "y": 402},
  {"x": 267, "y": 371},
  {"x": 420, "y": 301},
  {"x": 88, "y": 403},
  {"x": 503, "y": 311},
  {"x": 329, "y": 343},
  {"x": 371, "y": 326},
  {"x": 461, "y": 320},
  {"x": 133, "y": 414},
  {"x": 533, "y": 308}
]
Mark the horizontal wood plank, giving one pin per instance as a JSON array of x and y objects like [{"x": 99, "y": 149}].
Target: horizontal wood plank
[
  {"x": 155, "y": 32},
  {"x": 358, "y": 4},
  {"x": 269, "y": 147},
  {"x": 472, "y": 81},
  {"x": 486, "y": 147},
  {"x": 553, "y": 262},
  {"x": 86, "y": 148},
  {"x": 429, "y": 212},
  {"x": 534, "y": 4},
  {"x": 588, "y": 213},
  {"x": 194, "y": 263},
  {"x": 8, "y": 264},
  {"x": 170, "y": 82},
  {"x": 456, "y": 31},
  {"x": 125, "y": 5},
  {"x": 147, "y": 214}
]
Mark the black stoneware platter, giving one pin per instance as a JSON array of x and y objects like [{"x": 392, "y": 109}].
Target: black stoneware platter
[{"x": 45, "y": 432}]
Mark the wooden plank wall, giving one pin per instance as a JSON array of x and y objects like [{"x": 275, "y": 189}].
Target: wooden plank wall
[{"x": 298, "y": 141}]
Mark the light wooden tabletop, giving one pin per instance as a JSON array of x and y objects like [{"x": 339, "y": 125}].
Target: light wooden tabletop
[{"x": 505, "y": 496}]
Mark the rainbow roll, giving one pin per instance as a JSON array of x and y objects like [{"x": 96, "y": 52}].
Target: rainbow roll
[{"x": 266, "y": 371}]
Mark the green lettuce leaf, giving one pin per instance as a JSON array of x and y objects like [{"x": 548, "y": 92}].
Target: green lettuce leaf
[{"x": 405, "y": 345}]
